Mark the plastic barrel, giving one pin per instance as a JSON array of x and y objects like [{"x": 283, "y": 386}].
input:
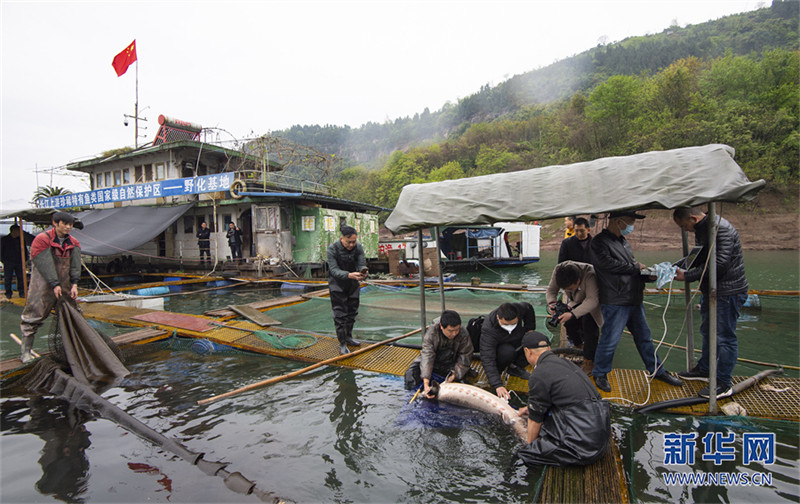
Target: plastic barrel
[
  {"x": 753, "y": 302},
  {"x": 295, "y": 286},
  {"x": 151, "y": 291},
  {"x": 205, "y": 347},
  {"x": 218, "y": 283}
]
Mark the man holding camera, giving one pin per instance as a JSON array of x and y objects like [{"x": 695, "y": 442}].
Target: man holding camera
[{"x": 581, "y": 315}]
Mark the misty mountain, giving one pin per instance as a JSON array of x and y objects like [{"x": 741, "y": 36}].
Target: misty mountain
[{"x": 751, "y": 33}]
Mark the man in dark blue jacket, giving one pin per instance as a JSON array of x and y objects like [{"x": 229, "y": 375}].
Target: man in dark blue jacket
[
  {"x": 731, "y": 294},
  {"x": 11, "y": 257},
  {"x": 619, "y": 278}
]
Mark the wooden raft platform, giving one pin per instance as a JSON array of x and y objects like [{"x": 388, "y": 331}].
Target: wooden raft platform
[{"x": 603, "y": 481}]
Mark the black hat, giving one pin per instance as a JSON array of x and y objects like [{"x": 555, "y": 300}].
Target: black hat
[
  {"x": 534, "y": 339},
  {"x": 626, "y": 213}
]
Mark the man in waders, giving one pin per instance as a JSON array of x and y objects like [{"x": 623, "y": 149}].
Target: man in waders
[
  {"x": 568, "y": 422},
  {"x": 56, "y": 271},
  {"x": 347, "y": 266}
]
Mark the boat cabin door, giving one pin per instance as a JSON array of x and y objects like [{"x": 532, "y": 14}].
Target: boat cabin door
[{"x": 272, "y": 234}]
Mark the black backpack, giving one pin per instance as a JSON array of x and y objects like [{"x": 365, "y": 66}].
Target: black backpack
[{"x": 474, "y": 329}]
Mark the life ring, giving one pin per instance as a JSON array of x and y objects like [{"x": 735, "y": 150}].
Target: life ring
[{"x": 237, "y": 186}]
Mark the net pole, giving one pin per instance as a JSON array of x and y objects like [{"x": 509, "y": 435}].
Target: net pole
[
  {"x": 687, "y": 292},
  {"x": 712, "y": 308},
  {"x": 439, "y": 266},
  {"x": 422, "y": 316}
]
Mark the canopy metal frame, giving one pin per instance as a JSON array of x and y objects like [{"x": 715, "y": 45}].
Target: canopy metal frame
[{"x": 668, "y": 181}]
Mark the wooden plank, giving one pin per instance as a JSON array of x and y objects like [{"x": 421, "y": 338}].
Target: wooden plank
[
  {"x": 258, "y": 305},
  {"x": 254, "y": 315},
  {"x": 188, "y": 322},
  {"x": 139, "y": 335}
]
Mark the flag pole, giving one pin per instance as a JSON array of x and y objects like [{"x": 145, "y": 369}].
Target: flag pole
[{"x": 136, "y": 109}]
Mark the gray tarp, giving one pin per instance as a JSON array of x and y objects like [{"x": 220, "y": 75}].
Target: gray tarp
[
  {"x": 120, "y": 230},
  {"x": 39, "y": 216},
  {"x": 666, "y": 179}
]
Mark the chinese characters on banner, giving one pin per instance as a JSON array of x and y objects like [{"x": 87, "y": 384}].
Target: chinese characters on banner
[{"x": 174, "y": 187}]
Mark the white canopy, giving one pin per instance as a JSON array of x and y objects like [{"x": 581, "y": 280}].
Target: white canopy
[{"x": 664, "y": 179}]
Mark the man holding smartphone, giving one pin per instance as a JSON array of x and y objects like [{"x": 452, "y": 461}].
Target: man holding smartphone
[{"x": 347, "y": 267}]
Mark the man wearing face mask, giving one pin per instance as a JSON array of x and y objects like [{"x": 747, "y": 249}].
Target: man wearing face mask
[
  {"x": 501, "y": 335},
  {"x": 621, "y": 300}
]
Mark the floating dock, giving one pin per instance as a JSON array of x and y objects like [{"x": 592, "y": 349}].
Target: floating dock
[{"x": 775, "y": 397}]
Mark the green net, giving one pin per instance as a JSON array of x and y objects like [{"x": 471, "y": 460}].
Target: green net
[
  {"x": 388, "y": 312},
  {"x": 290, "y": 341}
]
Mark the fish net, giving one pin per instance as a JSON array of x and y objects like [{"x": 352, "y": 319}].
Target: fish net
[
  {"x": 386, "y": 312},
  {"x": 289, "y": 341}
]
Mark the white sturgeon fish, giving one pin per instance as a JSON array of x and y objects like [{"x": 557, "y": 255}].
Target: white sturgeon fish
[{"x": 472, "y": 397}]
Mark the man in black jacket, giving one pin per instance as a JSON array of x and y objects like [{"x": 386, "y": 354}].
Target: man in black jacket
[
  {"x": 234, "y": 236},
  {"x": 576, "y": 247},
  {"x": 731, "y": 294},
  {"x": 204, "y": 243},
  {"x": 621, "y": 286},
  {"x": 11, "y": 257},
  {"x": 568, "y": 422},
  {"x": 347, "y": 267},
  {"x": 501, "y": 335}
]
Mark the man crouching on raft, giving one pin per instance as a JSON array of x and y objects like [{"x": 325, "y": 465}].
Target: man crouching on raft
[{"x": 568, "y": 422}]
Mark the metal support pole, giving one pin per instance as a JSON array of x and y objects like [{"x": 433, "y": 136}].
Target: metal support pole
[
  {"x": 18, "y": 222},
  {"x": 712, "y": 309},
  {"x": 435, "y": 230},
  {"x": 687, "y": 293},
  {"x": 422, "y": 316}
]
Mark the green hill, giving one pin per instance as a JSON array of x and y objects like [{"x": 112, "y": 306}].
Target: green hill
[{"x": 733, "y": 80}]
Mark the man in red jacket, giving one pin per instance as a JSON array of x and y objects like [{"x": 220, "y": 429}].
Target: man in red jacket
[{"x": 56, "y": 270}]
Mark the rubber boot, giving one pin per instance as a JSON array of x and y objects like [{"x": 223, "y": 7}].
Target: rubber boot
[
  {"x": 26, "y": 354},
  {"x": 588, "y": 366},
  {"x": 348, "y": 339},
  {"x": 341, "y": 335}
]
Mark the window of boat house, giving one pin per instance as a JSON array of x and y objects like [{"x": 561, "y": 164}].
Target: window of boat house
[
  {"x": 138, "y": 174},
  {"x": 227, "y": 219},
  {"x": 98, "y": 180},
  {"x": 117, "y": 178},
  {"x": 148, "y": 173},
  {"x": 109, "y": 182},
  {"x": 126, "y": 176},
  {"x": 188, "y": 224},
  {"x": 160, "y": 171}
]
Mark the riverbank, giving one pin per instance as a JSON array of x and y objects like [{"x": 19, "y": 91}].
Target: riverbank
[{"x": 771, "y": 222}]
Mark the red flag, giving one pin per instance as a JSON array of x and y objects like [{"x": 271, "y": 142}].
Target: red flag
[{"x": 124, "y": 59}]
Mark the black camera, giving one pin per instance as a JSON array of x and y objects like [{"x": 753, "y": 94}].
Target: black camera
[{"x": 560, "y": 308}]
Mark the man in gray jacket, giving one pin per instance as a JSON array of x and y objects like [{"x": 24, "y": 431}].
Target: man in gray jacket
[
  {"x": 731, "y": 294},
  {"x": 446, "y": 351},
  {"x": 584, "y": 317}
]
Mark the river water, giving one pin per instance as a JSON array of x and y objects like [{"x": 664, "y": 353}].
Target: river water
[{"x": 339, "y": 435}]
